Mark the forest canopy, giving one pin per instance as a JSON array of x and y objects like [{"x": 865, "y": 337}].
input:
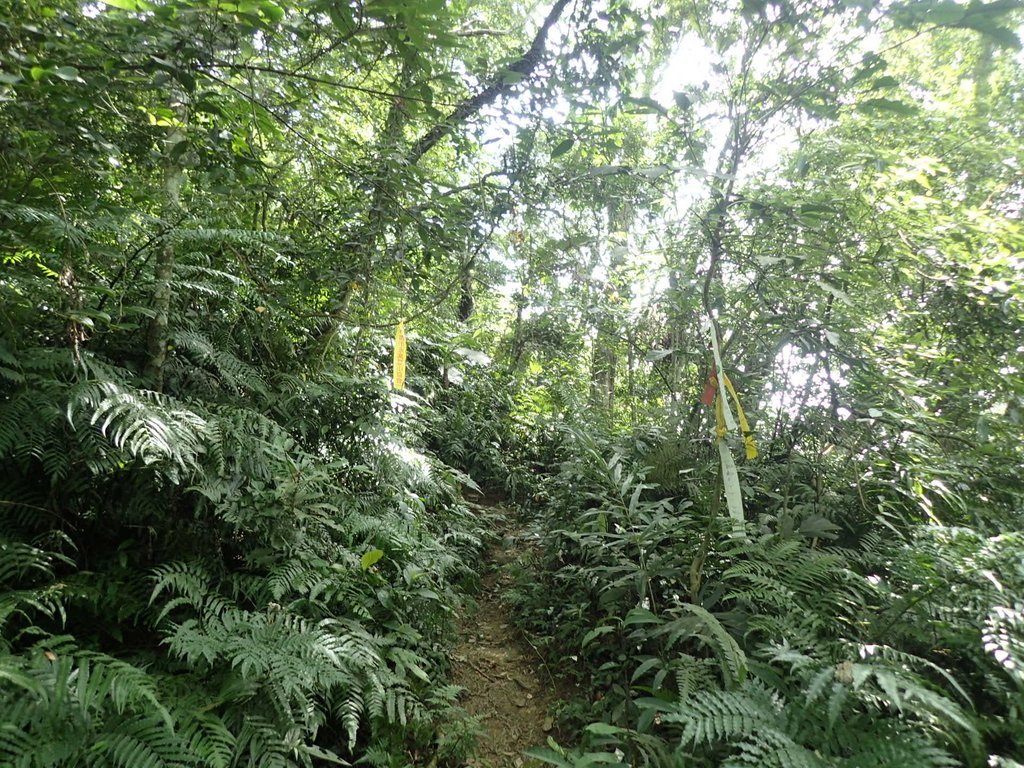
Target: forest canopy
[{"x": 725, "y": 297}]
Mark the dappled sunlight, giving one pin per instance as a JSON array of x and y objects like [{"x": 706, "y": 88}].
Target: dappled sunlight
[{"x": 448, "y": 384}]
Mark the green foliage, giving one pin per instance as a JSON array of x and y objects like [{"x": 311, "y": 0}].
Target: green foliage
[
  {"x": 472, "y": 429},
  {"x": 182, "y": 571},
  {"x": 265, "y": 646},
  {"x": 777, "y": 658},
  {"x": 225, "y": 542}
]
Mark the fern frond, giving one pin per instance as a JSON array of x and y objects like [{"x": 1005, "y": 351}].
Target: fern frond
[
  {"x": 260, "y": 744},
  {"x": 231, "y": 371},
  {"x": 47, "y": 225},
  {"x": 18, "y": 560},
  {"x": 775, "y": 749},
  {"x": 146, "y": 425},
  {"x": 891, "y": 747},
  {"x": 701, "y": 624},
  {"x": 208, "y": 738},
  {"x": 1003, "y": 637},
  {"x": 726, "y": 716},
  {"x": 348, "y": 709},
  {"x": 142, "y": 743}
]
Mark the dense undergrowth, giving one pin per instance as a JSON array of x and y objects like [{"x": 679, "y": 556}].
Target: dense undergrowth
[
  {"x": 826, "y": 635},
  {"x": 844, "y": 627},
  {"x": 226, "y": 541},
  {"x": 256, "y": 567}
]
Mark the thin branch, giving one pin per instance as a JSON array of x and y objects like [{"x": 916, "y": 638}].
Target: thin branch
[
  {"x": 482, "y": 33},
  {"x": 325, "y": 81},
  {"x": 524, "y": 67}
]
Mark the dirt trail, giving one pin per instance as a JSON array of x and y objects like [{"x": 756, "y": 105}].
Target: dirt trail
[{"x": 505, "y": 680}]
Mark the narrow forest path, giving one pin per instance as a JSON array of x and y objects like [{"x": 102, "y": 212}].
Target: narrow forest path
[{"x": 505, "y": 680}]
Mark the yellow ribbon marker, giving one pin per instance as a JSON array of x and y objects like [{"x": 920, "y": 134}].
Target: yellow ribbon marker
[
  {"x": 398, "y": 367},
  {"x": 748, "y": 438},
  {"x": 719, "y": 389}
]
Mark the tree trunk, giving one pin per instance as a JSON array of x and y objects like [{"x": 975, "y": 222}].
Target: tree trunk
[
  {"x": 384, "y": 206},
  {"x": 163, "y": 292}
]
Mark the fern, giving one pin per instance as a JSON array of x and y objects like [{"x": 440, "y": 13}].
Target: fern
[
  {"x": 816, "y": 591},
  {"x": 260, "y": 743},
  {"x": 726, "y": 716},
  {"x": 771, "y": 748},
  {"x": 348, "y": 708},
  {"x": 899, "y": 748},
  {"x": 27, "y": 580},
  {"x": 86, "y": 704},
  {"x": 761, "y": 728},
  {"x": 697, "y": 622},
  {"x": 46, "y": 224},
  {"x": 246, "y": 492},
  {"x": 141, "y": 743},
  {"x": 207, "y": 738},
  {"x": 884, "y": 685},
  {"x": 1003, "y": 637},
  {"x": 145, "y": 425},
  {"x": 229, "y": 371}
]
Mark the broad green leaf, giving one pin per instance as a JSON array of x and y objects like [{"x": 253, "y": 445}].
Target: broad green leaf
[
  {"x": 634, "y": 499},
  {"x": 596, "y": 758},
  {"x": 645, "y": 104},
  {"x": 888, "y": 81},
  {"x": 657, "y": 354},
  {"x": 341, "y": 17},
  {"x": 840, "y": 294},
  {"x": 945, "y": 12},
  {"x": 320, "y": 753},
  {"x": 604, "y": 729},
  {"x": 1003, "y": 36},
  {"x": 886, "y": 106},
  {"x": 641, "y": 616},
  {"x": 646, "y": 667},
  {"x": 562, "y": 148},
  {"x": 546, "y": 755},
  {"x": 596, "y": 633},
  {"x": 272, "y": 11},
  {"x": 370, "y": 558},
  {"x": 416, "y": 670}
]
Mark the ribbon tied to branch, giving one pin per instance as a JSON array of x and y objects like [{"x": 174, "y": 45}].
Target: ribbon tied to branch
[{"x": 712, "y": 395}]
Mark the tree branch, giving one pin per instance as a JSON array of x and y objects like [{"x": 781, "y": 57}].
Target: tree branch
[
  {"x": 322, "y": 81},
  {"x": 524, "y": 66}
]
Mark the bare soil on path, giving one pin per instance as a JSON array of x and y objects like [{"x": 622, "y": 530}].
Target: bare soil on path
[{"x": 505, "y": 680}]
